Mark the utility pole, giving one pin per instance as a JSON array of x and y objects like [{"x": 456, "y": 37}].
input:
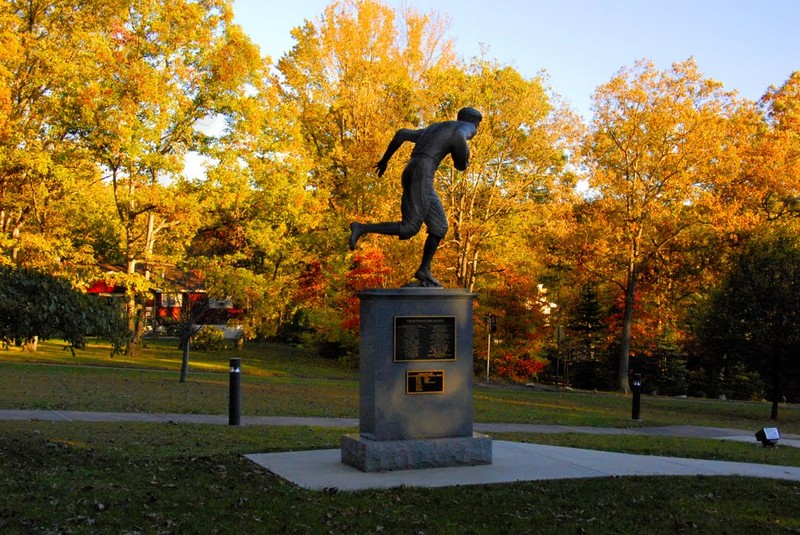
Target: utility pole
[
  {"x": 559, "y": 336},
  {"x": 491, "y": 326}
]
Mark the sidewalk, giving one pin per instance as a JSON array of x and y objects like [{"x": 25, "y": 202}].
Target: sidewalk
[
  {"x": 511, "y": 461},
  {"x": 82, "y": 416},
  {"x": 675, "y": 431}
]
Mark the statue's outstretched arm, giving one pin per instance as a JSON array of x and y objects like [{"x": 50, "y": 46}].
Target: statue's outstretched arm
[{"x": 402, "y": 135}]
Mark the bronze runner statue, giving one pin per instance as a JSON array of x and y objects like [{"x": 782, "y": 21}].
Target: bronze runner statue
[{"x": 420, "y": 203}]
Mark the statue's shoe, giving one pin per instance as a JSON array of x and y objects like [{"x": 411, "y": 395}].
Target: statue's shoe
[
  {"x": 355, "y": 233},
  {"x": 425, "y": 279}
]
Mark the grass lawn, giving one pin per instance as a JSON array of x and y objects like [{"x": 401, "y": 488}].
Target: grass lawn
[
  {"x": 268, "y": 360},
  {"x": 276, "y": 380},
  {"x": 287, "y": 381},
  {"x": 163, "y": 478}
]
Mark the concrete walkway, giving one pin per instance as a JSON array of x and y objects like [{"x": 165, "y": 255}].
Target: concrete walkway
[
  {"x": 674, "y": 431},
  {"x": 83, "y": 416},
  {"x": 511, "y": 461}
]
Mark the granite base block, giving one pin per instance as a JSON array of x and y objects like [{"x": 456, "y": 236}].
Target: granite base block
[{"x": 385, "y": 455}]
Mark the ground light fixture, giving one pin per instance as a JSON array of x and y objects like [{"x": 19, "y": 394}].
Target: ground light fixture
[{"x": 768, "y": 436}]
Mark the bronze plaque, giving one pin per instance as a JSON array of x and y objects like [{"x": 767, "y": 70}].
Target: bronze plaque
[
  {"x": 425, "y": 382},
  {"x": 418, "y": 338}
]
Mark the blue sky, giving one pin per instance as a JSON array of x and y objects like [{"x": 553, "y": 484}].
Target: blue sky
[{"x": 747, "y": 45}]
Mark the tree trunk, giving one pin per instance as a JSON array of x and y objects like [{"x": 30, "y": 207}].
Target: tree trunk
[
  {"x": 15, "y": 248},
  {"x": 473, "y": 270},
  {"x": 185, "y": 361},
  {"x": 627, "y": 323},
  {"x": 776, "y": 382},
  {"x": 132, "y": 349},
  {"x": 466, "y": 258},
  {"x": 627, "y": 314},
  {"x": 150, "y": 240}
]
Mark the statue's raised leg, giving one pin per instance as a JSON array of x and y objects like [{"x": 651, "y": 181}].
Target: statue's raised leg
[{"x": 395, "y": 228}]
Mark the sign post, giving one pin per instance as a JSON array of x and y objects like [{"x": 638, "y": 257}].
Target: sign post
[
  {"x": 235, "y": 393},
  {"x": 636, "y": 407}
]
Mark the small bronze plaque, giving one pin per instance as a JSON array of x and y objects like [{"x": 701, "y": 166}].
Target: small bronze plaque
[
  {"x": 418, "y": 338},
  {"x": 425, "y": 382}
]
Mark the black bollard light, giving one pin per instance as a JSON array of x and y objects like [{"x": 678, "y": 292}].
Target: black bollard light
[
  {"x": 235, "y": 391},
  {"x": 636, "y": 388}
]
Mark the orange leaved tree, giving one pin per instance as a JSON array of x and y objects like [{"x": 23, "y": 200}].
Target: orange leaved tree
[{"x": 657, "y": 142}]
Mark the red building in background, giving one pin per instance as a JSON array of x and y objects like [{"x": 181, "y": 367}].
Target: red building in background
[{"x": 167, "y": 308}]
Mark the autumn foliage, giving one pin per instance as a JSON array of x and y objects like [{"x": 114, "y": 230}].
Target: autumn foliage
[
  {"x": 369, "y": 270},
  {"x": 648, "y": 203}
]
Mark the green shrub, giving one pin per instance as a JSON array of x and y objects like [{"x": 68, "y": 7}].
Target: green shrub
[{"x": 209, "y": 338}]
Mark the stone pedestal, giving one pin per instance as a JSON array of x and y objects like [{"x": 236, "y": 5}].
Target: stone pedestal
[{"x": 415, "y": 382}]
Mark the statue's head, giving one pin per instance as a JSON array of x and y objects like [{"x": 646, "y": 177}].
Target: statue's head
[{"x": 470, "y": 115}]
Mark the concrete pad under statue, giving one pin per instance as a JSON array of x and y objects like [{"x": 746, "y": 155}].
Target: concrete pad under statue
[
  {"x": 370, "y": 455},
  {"x": 415, "y": 382}
]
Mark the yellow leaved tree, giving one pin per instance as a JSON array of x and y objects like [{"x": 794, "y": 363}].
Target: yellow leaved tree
[
  {"x": 45, "y": 51},
  {"x": 657, "y": 148},
  {"x": 159, "y": 69}
]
